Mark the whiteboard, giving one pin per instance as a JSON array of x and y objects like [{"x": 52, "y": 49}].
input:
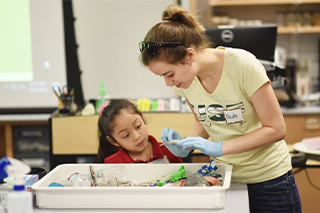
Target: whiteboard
[{"x": 32, "y": 53}]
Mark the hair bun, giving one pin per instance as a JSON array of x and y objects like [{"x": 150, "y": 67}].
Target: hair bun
[
  {"x": 175, "y": 18},
  {"x": 171, "y": 15}
]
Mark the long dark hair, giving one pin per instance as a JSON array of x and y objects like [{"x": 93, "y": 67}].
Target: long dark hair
[{"x": 106, "y": 125}]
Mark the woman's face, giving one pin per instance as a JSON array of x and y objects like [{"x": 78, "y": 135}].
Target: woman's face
[
  {"x": 179, "y": 75},
  {"x": 130, "y": 132}
]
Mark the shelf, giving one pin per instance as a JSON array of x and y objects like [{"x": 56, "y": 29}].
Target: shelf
[
  {"x": 298, "y": 30},
  {"x": 287, "y": 30},
  {"x": 259, "y": 2},
  {"x": 308, "y": 29}
]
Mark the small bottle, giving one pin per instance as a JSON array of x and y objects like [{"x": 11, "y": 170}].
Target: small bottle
[
  {"x": 101, "y": 98},
  {"x": 280, "y": 19},
  {"x": 306, "y": 19},
  {"x": 19, "y": 200},
  {"x": 79, "y": 180},
  {"x": 290, "y": 19}
]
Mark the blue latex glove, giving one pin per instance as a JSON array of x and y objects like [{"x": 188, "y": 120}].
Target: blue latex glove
[
  {"x": 213, "y": 149},
  {"x": 168, "y": 135}
]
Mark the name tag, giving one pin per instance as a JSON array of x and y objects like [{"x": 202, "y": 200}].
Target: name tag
[{"x": 233, "y": 116}]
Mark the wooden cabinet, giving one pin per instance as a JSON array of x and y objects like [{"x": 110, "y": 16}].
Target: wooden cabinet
[
  {"x": 301, "y": 126},
  {"x": 6, "y": 140},
  {"x": 74, "y": 135},
  {"x": 79, "y": 134},
  {"x": 309, "y": 195}
]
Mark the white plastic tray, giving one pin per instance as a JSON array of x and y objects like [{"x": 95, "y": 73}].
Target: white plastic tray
[{"x": 131, "y": 197}]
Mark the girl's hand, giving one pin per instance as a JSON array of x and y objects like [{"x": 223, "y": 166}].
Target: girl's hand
[{"x": 169, "y": 135}]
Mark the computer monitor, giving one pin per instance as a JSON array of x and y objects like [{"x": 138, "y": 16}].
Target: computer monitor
[{"x": 259, "y": 40}]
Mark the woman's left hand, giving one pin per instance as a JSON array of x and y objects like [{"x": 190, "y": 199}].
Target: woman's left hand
[{"x": 210, "y": 148}]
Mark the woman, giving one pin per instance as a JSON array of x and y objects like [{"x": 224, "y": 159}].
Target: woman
[{"x": 233, "y": 103}]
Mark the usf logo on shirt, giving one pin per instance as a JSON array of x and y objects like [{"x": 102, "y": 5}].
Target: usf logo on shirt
[{"x": 231, "y": 113}]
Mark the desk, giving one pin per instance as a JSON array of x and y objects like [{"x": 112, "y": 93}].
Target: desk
[
  {"x": 236, "y": 201},
  {"x": 310, "y": 163}
]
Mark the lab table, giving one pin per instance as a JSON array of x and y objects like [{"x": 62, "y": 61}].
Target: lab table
[{"x": 236, "y": 201}]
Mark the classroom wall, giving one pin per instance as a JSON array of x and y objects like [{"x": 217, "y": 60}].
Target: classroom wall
[{"x": 108, "y": 33}]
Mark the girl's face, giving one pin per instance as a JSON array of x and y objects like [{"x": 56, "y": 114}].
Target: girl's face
[
  {"x": 179, "y": 75},
  {"x": 130, "y": 132}
]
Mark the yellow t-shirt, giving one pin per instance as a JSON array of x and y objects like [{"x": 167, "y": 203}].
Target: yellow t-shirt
[{"x": 241, "y": 77}]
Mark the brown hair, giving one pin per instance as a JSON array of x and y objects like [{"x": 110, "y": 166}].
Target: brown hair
[
  {"x": 178, "y": 25},
  {"x": 106, "y": 125}
]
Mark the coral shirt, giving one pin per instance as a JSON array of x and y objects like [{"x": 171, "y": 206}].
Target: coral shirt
[{"x": 160, "y": 154}]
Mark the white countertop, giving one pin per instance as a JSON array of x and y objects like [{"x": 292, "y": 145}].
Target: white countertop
[
  {"x": 236, "y": 201},
  {"x": 24, "y": 117},
  {"x": 301, "y": 110}
]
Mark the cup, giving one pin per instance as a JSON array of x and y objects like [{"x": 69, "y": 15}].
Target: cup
[{"x": 66, "y": 104}]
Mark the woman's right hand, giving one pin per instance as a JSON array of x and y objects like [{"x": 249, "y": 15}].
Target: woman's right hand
[{"x": 169, "y": 135}]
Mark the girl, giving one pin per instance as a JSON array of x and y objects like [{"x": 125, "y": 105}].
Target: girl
[
  {"x": 233, "y": 103},
  {"x": 123, "y": 136}
]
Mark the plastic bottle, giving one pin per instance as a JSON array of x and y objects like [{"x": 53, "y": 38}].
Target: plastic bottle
[
  {"x": 101, "y": 98},
  {"x": 19, "y": 200},
  {"x": 4, "y": 162}
]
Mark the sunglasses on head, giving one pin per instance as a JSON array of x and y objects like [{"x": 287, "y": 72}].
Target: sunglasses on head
[{"x": 151, "y": 47}]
